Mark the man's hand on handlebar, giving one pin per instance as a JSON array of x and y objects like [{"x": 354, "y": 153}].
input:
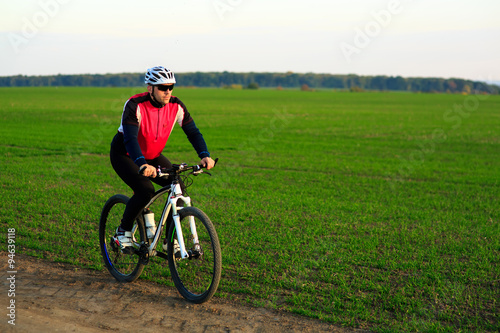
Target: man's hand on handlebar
[
  {"x": 148, "y": 170},
  {"x": 207, "y": 162}
]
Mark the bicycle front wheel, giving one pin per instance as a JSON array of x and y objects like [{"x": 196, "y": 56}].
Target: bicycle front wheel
[
  {"x": 124, "y": 267},
  {"x": 197, "y": 277}
]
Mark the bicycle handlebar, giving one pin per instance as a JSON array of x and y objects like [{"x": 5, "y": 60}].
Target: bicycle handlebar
[{"x": 178, "y": 169}]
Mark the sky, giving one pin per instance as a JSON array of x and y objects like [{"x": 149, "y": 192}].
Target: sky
[{"x": 410, "y": 38}]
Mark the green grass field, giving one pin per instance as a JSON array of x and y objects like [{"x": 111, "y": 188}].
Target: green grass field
[{"x": 369, "y": 210}]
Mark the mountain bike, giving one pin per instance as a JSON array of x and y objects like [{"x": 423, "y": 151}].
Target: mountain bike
[{"x": 190, "y": 247}]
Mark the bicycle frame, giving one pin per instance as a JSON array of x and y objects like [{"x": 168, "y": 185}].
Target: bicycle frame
[{"x": 174, "y": 193}]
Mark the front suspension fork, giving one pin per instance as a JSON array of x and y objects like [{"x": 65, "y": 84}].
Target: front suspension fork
[{"x": 178, "y": 229}]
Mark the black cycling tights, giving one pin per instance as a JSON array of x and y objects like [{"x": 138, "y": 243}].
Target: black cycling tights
[{"x": 142, "y": 186}]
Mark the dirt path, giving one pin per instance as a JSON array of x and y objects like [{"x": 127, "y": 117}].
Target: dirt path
[{"x": 54, "y": 297}]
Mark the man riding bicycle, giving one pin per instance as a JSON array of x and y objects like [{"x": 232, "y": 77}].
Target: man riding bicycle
[{"x": 136, "y": 150}]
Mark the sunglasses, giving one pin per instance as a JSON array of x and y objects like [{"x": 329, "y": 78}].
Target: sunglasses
[{"x": 165, "y": 88}]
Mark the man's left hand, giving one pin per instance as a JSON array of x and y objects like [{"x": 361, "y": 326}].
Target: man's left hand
[{"x": 208, "y": 163}]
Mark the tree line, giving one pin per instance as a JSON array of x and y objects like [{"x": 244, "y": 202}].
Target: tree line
[{"x": 268, "y": 80}]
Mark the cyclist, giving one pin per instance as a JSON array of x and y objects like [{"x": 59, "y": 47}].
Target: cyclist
[{"x": 136, "y": 150}]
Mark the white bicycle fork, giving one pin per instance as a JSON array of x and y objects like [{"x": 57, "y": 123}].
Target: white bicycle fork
[{"x": 175, "y": 195}]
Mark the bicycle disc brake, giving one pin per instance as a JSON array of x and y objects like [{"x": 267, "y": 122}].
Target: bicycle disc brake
[{"x": 196, "y": 252}]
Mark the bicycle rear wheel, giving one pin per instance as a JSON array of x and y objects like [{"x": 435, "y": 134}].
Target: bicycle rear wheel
[
  {"x": 124, "y": 267},
  {"x": 196, "y": 278}
]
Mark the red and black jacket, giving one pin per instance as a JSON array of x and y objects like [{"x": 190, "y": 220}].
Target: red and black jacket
[{"x": 146, "y": 127}]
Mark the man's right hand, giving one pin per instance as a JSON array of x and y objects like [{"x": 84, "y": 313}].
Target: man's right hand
[{"x": 147, "y": 170}]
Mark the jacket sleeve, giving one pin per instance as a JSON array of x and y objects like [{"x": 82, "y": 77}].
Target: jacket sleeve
[
  {"x": 130, "y": 133},
  {"x": 196, "y": 138},
  {"x": 130, "y": 126}
]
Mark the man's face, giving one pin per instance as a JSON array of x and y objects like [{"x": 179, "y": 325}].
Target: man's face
[{"x": 161, "y": 96}]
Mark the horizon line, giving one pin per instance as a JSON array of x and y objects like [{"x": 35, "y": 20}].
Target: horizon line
[{"x": 267, "y": 72}]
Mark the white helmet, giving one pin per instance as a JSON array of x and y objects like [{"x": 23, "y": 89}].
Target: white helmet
[{"x": 159, "y": 75}]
